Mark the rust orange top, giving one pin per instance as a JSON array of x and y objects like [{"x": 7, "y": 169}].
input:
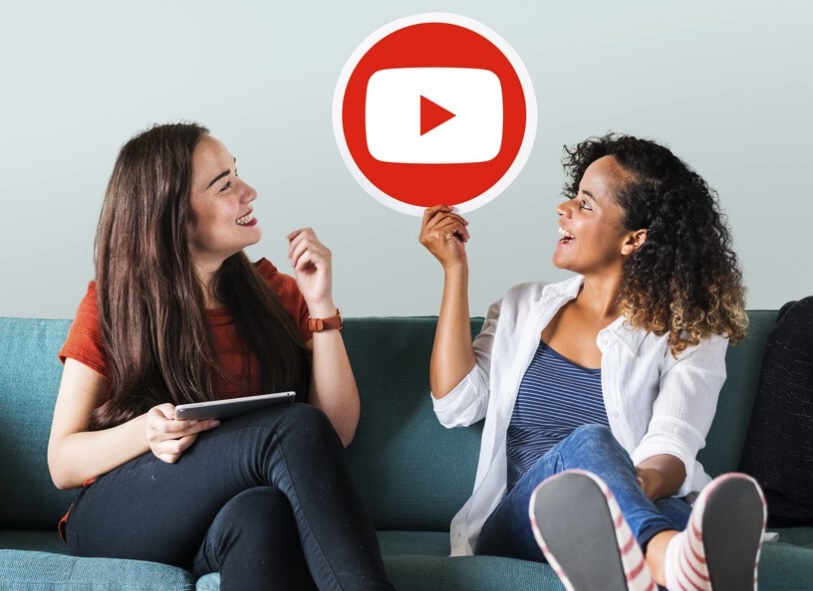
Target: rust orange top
[{"x": 84, "y": 339}]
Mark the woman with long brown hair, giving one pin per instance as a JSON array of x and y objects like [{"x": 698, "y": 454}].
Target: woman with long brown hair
[
  {"x": 178, "y": 314},
  {"x": 603, "y": 387}
]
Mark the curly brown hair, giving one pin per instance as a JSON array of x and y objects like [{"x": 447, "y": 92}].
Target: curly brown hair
[{"x": 685, "y": 278}]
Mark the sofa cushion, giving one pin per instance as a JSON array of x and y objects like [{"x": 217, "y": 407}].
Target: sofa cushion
[
  {"x": 785, "y": 567},
  {"x": 27, "y": 394},
  {"x": 726, "y": 438},
  {"x": 469, "y": 573},
  {"x": 34, "y": 570},
  {"x": 431, "y": 543},
  {"x": 412, "y": 472},
  {"x": 798, "y": 536}
]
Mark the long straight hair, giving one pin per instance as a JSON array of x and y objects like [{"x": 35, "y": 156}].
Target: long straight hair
[{"x": 157, "y": 339}]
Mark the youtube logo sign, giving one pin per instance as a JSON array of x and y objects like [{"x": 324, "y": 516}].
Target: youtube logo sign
[
  {"x": 461, "y": 122},
  {"x": 432, "y": 115},
  {"x": 434, "y": 108}
]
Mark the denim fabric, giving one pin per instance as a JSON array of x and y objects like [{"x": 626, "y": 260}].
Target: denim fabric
[
  {"x": 507, "y": 531},
  {"x": 257, "y": 498}
]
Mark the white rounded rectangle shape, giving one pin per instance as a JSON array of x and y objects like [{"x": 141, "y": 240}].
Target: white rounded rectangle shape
[
  {"x": 393, "y": 115},
  {"x": 230, "y": 407}
]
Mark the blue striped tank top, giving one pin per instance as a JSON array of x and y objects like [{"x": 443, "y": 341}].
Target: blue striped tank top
[{"x": 555, "y": 397}]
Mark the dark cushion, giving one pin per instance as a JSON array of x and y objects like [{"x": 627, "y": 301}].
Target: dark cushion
[{"x": 779, "y": 444}]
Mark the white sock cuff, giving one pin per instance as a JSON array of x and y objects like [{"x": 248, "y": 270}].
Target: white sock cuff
[{"x": 672, "y": 561}]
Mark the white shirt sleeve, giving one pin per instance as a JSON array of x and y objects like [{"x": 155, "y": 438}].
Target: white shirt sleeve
[
  {"x": 467, "y": 402},
  {"x": 685, "y": 405}
]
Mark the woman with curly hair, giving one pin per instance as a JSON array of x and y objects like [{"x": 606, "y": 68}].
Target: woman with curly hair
[{"x": 603, "y": 387}]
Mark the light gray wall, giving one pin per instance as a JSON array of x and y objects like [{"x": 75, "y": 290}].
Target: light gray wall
[{"x": 726, "y": 84}]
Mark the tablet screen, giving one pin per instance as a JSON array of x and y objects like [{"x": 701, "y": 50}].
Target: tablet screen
[{"x": 223, "y": 409}]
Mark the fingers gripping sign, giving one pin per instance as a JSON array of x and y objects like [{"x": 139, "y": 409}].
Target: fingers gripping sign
[{"x": 444, "y": 233}]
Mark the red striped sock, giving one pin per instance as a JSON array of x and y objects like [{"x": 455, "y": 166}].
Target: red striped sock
[
  {"x": 685, "y": 565},
  {"x": 686, "y": 568},
  {"x": 639, "y": 577}
]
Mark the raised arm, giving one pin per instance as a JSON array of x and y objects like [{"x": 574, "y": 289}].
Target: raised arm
[
  {"x": 444, "y": 234},
  {"x": 333, "y": 387},
  {"x": 76, "y": 454}
]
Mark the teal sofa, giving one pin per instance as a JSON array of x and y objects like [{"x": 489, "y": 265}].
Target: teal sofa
[{"x": 413, "y": 473}]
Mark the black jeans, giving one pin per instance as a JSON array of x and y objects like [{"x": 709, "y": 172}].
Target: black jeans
[{"x": 266, "y": 499}]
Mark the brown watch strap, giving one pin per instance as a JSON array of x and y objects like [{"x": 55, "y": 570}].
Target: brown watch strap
[{"x": 329, "y": 323}]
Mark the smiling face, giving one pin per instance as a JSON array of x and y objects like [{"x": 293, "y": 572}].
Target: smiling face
[
  {"x": 594, "y": 240},
  {"x": 221, "y": 205}
]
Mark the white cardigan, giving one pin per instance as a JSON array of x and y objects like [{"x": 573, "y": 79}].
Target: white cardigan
[{"x": 656, "y": 404}]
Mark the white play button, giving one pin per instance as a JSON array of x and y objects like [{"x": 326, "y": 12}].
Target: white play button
[{"x": 462, "y": 122}]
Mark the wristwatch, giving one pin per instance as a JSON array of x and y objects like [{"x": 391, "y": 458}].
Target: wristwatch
[{"x": 329, "y": 323}]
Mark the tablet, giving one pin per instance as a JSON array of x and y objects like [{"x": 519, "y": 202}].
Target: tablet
[{"x": 230, "y": 407}]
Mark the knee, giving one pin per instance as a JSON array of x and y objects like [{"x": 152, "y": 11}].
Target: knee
[
  {"x": 308, "y": 430},
  {"x": 593, "y": 439},
  {"x": 250, "y": 520},
  {"x": 592, "y": 446},
  {"x": 298, "y": 420},
  {"x": 298, "y": 430},
  {"x": 309, "y": 421},
  {"x": 256, "y": 505}
]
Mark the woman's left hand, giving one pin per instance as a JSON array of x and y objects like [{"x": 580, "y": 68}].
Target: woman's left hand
[
  {"x": 648, "y": 480},
  {"x": 660, "y": 476},
  {"x": 332, "y": 388},
  {"x": 313, "y": 265}
]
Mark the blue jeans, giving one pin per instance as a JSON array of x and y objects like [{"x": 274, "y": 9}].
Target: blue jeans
[
  {"x": 507, "y": 531},
  {"x": 265, "y": 499}
]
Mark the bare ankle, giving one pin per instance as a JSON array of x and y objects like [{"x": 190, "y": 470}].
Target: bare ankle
[{"x": 656, "y": 554}]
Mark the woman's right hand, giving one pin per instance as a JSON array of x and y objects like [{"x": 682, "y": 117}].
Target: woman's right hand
[
  {"x": 169, "y": 438},
  {"x": 444, "y": 234}
]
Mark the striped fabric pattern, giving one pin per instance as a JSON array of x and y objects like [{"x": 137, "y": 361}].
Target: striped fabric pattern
[
  {"x": 687, "y": 569},
  {"x": 555, "y": 397}
]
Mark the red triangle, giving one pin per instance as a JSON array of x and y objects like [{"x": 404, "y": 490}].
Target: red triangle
[{"x": 432, "y": 115}]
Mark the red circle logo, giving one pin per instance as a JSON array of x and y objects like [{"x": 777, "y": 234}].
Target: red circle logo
[{"x": 434, "y": 108}]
